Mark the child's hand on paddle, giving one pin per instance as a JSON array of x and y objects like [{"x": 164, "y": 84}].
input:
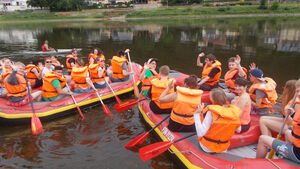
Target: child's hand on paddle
[
  {"x": 200, "y": 108},
  {"x": 127, "y": 51},
  {"x": 171, "y": 84}
]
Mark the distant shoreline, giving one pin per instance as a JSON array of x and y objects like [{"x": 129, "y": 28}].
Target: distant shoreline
[{"x": 123, "y": 18}]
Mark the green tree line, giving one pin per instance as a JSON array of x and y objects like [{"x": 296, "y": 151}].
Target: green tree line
[{"x": 58, "y": 5}]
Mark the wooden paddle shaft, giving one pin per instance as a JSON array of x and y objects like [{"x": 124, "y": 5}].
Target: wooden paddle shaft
[
  {"x": 29, "y": 93},
  {"x": 131, "y": 67},
  {"x": 110, "y": 87}
]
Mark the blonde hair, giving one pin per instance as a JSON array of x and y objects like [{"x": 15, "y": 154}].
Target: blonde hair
[
  {"x": 164, "y": 70},
  {"x": 20, "y": 65},
  {"x": 218, "y": 96}
]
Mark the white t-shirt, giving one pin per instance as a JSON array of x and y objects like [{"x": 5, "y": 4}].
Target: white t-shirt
[
  {"x": 46, "y": 70},
  {"x": 100, "y": 83}
]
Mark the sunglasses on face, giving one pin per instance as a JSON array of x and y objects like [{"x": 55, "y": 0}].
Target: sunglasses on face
[{"x": 48, "y": 61}]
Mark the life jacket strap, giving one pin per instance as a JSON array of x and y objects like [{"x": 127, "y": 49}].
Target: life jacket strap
[
  {"x": 295, "y": 135},
  {"x": 80, "y": 83},
  {"x": 182, "y": 115},
  {"x": 19, "y": 92},
  {"x": 215, "y": 141}
]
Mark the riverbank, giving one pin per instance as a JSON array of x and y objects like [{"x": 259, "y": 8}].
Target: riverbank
[{"x": 160, "y": 13}]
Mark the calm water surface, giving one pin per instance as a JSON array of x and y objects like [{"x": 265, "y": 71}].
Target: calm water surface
[{"x": 97, "y": 142}]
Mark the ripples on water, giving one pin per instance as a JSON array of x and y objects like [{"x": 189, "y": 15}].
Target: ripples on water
[{"x": 97, "y": 142}]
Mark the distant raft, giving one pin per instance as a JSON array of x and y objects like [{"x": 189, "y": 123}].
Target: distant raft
[{"x": 57, "y": 51}]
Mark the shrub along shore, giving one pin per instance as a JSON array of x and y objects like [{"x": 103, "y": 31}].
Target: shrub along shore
[{"x": 164, "y": 12}]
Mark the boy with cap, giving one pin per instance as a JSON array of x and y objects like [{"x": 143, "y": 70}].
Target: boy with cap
[{"x": 262, "y": 92}]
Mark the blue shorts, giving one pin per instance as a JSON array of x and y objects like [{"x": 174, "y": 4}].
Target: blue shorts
[
  {"x": 285, "y": 149},
  {"x": 118, "y": 80},
  {"x": 98, "y": 86}
]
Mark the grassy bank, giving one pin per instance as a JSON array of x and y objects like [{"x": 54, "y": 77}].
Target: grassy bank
[
  {"x": 35, "y": 15},
  {"x": 177, "y": 11},
  {"x": 173, "y": 11}
]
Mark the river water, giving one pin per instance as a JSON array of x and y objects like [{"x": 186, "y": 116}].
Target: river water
[{"x": 97, "y": 142}]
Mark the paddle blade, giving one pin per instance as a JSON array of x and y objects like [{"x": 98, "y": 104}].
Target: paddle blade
[
  {"x": 80, "y": 113},
  {"x": 136, "y": 141},
  {"x": 107, "y": 111},
  {"x": 125, "y": 105},
  {"x": 36, "y": 125},
  {"x": 153, "y": 150},
  {"x": 118, "y": 99}
]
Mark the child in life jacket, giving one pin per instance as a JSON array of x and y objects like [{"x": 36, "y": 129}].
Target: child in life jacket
[
  {"x": 54, "y": 85},
  {"x": 147, "y": 72},
  {"x": 235, "y": 71},
  {"x": 262, "y": 92},
  {"x": 211, "y": 72},
  {"x": 288, "y": 149},
  {"x": 242, "y": 101},
  {"x": 97, "y": 72},
  {"x": 16, "y": 87},
  {"x": 96, "y": 52},
  {"x": 158, "y": 85},
  {"x": 119, "y": 66},
  {"x": 81, "y": 77},
  {"x": 34, "y": 73},
  {"x": 4, "y": 69},
  {"x": 71, "y": 60},
  {"x": 216, "y": 123},
  {"x": 186, "y": 100},
  {"x": 272, "y": 123}
]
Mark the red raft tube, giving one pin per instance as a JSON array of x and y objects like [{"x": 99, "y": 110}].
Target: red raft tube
[
  {"x": 188, "y": 153},
  {"x": 46, "y": 111}
]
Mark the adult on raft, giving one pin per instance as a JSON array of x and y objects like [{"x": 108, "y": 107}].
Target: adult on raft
[
  {"x": 54, "y": 85},
  {"x": 186, "y": 100},
  {"x": 120, "y": 66},
  {"x": 211, "y": 72},
  {"x": 46, "y": 47},
  {"x": 216, "y": 123},
  {"x": 243, "y": 101},
  {"x": 288, "y": 149},
  {"x": 262, "y": 92},
  {"x": 147, "y": 72}
]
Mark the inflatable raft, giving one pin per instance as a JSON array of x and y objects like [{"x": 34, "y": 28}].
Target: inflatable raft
[
  {"x": 51, "y": 51},
  {"x": 188, "y": 153},
  {"x": 49, "y": 110}
]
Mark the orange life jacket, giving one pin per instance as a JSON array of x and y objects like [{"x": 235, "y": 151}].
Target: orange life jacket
[
  {"x": 229, "y": 81},
  {"x": 207, "y": 69},
  {"x": 93, "y": 69},
  {"x": 245, "y": 118},
  {"x": 296, "y": 129},
  {"x": 186, "y": 104},
  {"x": 146, "y": 83},
  {"x": 56, "y": 63},
  {"x": 8, "y": 70},
  {"x": 116, "y": 64},
  {"x": 48, "y": 89},
  {"x": 158, "y": 87},
  {"x": 78, "y": 75},
  {"x": 225, "y": 121},
  {"x": 92, "y": 55},
  {"x": 68, "y": 64},
  {"x": 19, "y": 90},
  {"x": 268, "y": 88},
  {"x": 30, "y": 75}
]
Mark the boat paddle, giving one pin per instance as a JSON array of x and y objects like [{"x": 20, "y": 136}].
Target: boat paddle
[
  {"x": 80, "y": 113},
  {"x": 272, "y": 152},
  {"x": 117, "y": 98},
  {"x": 105, "y": 108},
  {"x": 135, "y": 89},
  {"x": 127, "y": 104},
  {"x": 141, "y": 138},
  {"x": 36, "y": 125},
  {"x": 153, "y": 150}
]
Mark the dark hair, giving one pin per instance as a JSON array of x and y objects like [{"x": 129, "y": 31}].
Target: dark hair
[
  {"x": 191, "y": 82},
  {"x": 211, "y": 57},
  {"x": 58, "y": 68},
  {"x": 80, "y": 61},
  {"x": 120, "y": 53},
  {"x": 100, "y": 51},
  {"x": 241, "y": 81},
  {"x": 232, "y": 59},
  {"x": 36, "y": 61}
]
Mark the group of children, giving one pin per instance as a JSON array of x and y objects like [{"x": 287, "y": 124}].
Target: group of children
[
  {"x": 16, "y": 78},
  {"x": 230, "y": 109}
]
